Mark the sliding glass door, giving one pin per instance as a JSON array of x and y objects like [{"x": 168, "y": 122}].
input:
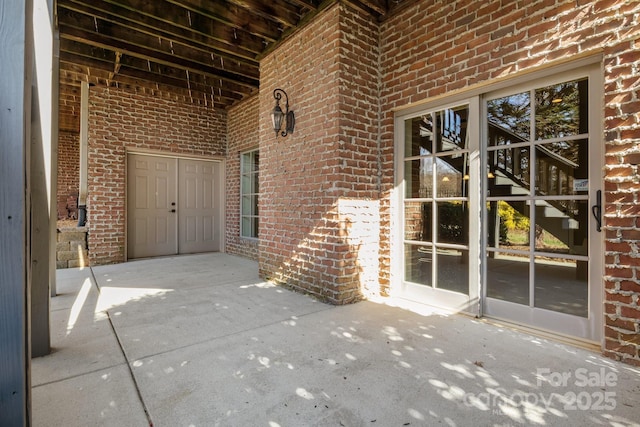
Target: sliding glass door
[
  {"x": 543, "y": 249},
  {"x": 437, "y": 171},
  {"x": 499, "y": 200}
]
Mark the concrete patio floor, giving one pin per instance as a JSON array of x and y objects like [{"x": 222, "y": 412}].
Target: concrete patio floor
[{"x": 200, "y": 340}]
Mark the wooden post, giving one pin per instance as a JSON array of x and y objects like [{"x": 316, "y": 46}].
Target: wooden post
[
  {"x": 42, "y": 186},
  {"x": 15, "y": 111},
  {"x": 53, "y": 208}
]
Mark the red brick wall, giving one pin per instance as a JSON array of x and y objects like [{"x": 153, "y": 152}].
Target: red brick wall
[
  {"x": 433, "y": 48},
  {"x": 325, "y": 200},
  {"x": 242, "y": 135},
  {"x": 68, "y": 174},
  {"x": 120, "y": 120},
  {"x": 622, "y": 200},
  {"x": 319, "y": 226}
]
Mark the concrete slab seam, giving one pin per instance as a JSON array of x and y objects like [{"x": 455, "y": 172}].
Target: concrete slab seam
[
  {"x": 124, "y": 354},
  {"x": 228, "y": 335}
]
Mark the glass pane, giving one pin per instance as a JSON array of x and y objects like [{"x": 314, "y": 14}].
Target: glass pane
[
  {"x": 248, "y": 205},
  {"x": 245, "y": 162},
  {"x": 453, "y": 219},
  {"x": 418, "y": 221},
  {"x": 508, "y": 224},
  {"x": 508, "y": 172},
  {"x": 562, "y": 226},
  {"x": 247, "y": 184},
  {"x": 256, "y": 188},
  {"x": 418, "y": 178},
  {"x": 419, "y": 136},
  {"x": 255, "y": 165},
  {"x": 561, "y": 285},
  {"x": 453, "y": 270},
  {"x": 561, "y": 110},
  {"x": 452, "y": 176},
  {"x": 418, "y": 264},
  {"x": 509, "y": 119},
  {"x": 562, "y": 168},
  {"x": 452, "y": 129},
  {"x": 246, "y": 227},
  {"x": 508, "y": 277}
]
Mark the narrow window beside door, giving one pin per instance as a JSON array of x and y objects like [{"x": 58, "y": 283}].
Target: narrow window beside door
[{"x": 249, "y": 190}]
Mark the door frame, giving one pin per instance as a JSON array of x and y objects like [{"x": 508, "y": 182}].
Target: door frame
[
  {"x": 590, "y": 329},
  {"x": 441, "y": 298},
  {"x": 589, "y": 65},
  {"x": 160, "y": 153}
]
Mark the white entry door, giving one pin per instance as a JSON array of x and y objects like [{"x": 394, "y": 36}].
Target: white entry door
[
  {"x": 199, "y": 200},
  {"x": 174, "y": 206}
]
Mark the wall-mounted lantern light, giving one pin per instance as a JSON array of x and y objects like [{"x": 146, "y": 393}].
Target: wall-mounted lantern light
[{"x": 278, "y": 115}]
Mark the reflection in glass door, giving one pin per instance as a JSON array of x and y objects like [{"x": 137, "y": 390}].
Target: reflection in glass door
[
  {"x": 436, "y": 207},
  {"x": 537, "y": 208}
]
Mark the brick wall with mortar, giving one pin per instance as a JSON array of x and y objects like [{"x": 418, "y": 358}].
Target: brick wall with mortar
[
  {"x": 121, "y": 120},
  {"x": 319, "y": 229},
  {"x": 68, "y": 174},
  {"x": 432, "y": 48},
  {"x": 242, "y": 135},
  {"x": 622, "y": 200}
]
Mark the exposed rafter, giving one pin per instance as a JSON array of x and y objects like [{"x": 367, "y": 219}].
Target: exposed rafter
[{"x": 201, "y": 51}]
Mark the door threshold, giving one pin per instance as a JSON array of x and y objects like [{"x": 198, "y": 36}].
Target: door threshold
[{"x": 543, "y": 333}]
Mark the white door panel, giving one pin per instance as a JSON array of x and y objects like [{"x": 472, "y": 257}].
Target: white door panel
[
  {"x": 174, "y": 206},
  {"x": 199, "y": 201},
  {"x": 151, "y": 190}
]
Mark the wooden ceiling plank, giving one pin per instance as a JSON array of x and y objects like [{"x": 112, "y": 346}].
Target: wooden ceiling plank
[
  {"x": 309, "y": 4},
  {"x": 136, "y": 67},
  {"x": 163, "y": 70},
  {"x": 379, "y": 6},
  {"x": 103, "y": 41},
  {"x": 233, "y": 16},
  {"x": 92, "y": 25},
  {"x": 276, "y": 10},
  {"x": 159, "y": 28},
  {"x": 171, "y": 15},
  {"x": 167, "y": 85},
  {"x": 84, "y": 50}
]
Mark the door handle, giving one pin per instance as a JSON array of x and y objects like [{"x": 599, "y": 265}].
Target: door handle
[
  {"x": 172, "y": 210},
  {"x": 596, "y": 210}
]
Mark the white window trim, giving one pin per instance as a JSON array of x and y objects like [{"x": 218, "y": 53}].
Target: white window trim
[{"x": 257, "y": 194}]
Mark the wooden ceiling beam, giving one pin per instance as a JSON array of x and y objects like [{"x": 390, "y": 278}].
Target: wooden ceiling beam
[
  {"x": 309, "y": 4},
  {"x": 118, "y": 44},
  {"x": 233, "y": 16},
  {"x": 276, "y": 10},
  {"x": 154, "y": 70},
  {"x": 157, "y": 27},
  {"x": 122, "y": 36},
  {"x": 147, "y": 79},
  {"x": 173, "y": 16},
  {"x": 379, "y": 6},
  {"x": 157, "y": 89}
]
